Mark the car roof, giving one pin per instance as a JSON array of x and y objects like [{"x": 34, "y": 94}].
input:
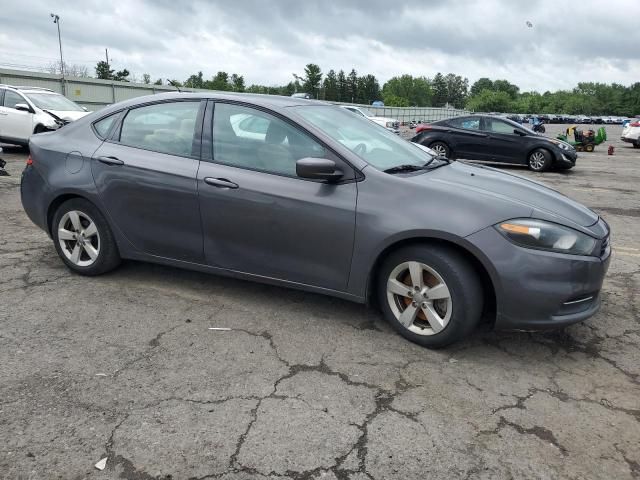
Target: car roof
[
  {"x": 28, "y": 89},
  {"x": 268, "y": 101}
]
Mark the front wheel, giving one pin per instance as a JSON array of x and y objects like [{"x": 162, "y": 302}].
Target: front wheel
[
  {"x": 430, "y": 295},
  {"x": 539, "y": 160},
  {"x": 83, "y": 238}
]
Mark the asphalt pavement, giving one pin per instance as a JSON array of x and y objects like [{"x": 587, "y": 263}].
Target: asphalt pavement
[{"x": 126, "y": 367}]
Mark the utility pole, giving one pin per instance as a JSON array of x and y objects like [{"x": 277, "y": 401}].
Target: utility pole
[
  {"x": 106, "y": 54},
  {"x": 56, "y": 20}
]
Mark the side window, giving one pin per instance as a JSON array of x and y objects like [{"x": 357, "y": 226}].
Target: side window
[
  {"x": 249, "y": 138},
  {"x": 467, "y": 123},
  {"x": 498, "y": 126},
  {"x": 11, "y": 99},
  {"x": 163, "y": 127},
  {"x": 103, "y": 126}
]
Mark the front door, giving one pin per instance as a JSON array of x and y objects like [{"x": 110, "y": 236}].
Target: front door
[
  {"x": 468, "y": 140},
  {"x": 258, "y": 217},
  {"x": 146, "y": 177},
  {"x": 15, "y": 124},
  {"x": 506, "y": 145}
]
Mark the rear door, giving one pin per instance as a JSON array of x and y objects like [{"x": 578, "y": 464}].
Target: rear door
[
  {"x": 467, "y": 139},
  {"x": 146, "y": 176},
  {"x": 503, "y": 144},
  {"x": 258, "y": 216}
]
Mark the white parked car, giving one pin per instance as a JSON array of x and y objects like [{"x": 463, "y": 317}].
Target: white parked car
[
  {"x": 28, "y": 110},
  {"x": 390, "y": 124},
  {"x": 631, "y": 132}
]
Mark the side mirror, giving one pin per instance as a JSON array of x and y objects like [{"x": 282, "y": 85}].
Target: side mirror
[
  {"x": 85, "y": 109},
  {"x": 318, "y": 169},
  {"x": 517, "y": 131},
  {"x": 23, "y": 107}
]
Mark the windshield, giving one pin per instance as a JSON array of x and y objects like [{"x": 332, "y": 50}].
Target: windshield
[
  {"x": 54, "y": 101},
  {"x": 375, "y": 145}
]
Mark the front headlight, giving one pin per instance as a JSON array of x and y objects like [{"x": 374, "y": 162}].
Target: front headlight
[
  {"x": 543, "y": 235},
  {"x": 389, "y": 124},
  {"x": 562, "y": 145}
]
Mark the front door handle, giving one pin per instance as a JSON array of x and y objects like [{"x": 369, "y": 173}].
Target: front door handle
[
  {"x": 110, "y": 160},
  {"x": 220, "y": 182}
]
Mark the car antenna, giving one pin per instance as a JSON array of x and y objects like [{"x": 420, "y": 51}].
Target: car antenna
[{"x": 173, "y": 83}]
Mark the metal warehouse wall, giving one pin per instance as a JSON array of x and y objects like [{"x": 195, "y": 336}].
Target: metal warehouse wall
[{"x": 94, "y": 94}]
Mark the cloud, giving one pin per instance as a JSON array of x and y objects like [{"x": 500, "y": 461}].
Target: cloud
[{"x": 268, "y": 41}]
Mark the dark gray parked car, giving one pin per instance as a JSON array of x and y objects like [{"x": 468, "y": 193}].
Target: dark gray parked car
[{"x": 304, "y": 194}]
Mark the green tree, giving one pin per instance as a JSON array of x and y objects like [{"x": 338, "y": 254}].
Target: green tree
[
  {"x": 122, "y": 75},
  {"x": 330, "y": 86},
  {"x": 352, "y": 86},
  {"x": 103, "y": 71},
  {"x": 368, "y": 89},
  {"x": 391, "y": 100},
  {"x": 343, "y": 93},
  {"x": 440, "y": 93},
  {"x": 219, "y": 82},
  {"x": 195, "y": 81},
  {"x": 490, "y": 101},
  {"x": 416, "y": 91},
  {"x": 483, "y": 83},
  {"x": 237, "y": 82},
  {"x": 146, "y": 78},
  {"x": 457, "y": 89},
  {"x": 158, "y": 82},
  {"x": 312, "y": 78}
]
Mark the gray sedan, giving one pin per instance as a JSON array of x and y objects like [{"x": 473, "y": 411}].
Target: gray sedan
[{"x": 303, "y": 194}]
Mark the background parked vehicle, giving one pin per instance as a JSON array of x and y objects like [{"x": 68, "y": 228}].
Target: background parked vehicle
[
  {"x": 167, "y": 179},
  {"x": 631, "y": 132},
  {"x": 493, "y": 139},
  {"x": 28, "y": 110},
  {"x": 390, "y": 124}
]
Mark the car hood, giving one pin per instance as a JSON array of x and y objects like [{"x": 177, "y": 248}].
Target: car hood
[
  {"x": 544, "y": 202},
  {"x": 384, "y": 119},
  {"x": 69, "y": 116}
]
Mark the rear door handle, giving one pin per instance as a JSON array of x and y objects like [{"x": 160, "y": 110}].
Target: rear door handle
[
  {"x": 220, "y": 182},
  {"x": 110, "y": 160}
]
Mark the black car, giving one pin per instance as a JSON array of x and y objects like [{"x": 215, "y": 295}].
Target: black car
[{"x": 494, "y": 139}]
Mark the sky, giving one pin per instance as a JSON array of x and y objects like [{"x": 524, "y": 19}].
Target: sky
[{"x": 269, "y": 41}]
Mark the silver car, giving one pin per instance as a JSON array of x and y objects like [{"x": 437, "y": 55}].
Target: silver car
[{"x": 319, "y": 199}]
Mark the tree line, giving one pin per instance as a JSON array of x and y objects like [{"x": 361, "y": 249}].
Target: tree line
[{"x": 442, "y": 90}]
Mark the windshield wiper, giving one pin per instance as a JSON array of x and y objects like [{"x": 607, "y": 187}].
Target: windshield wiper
[{"x": 404, "y": 168}]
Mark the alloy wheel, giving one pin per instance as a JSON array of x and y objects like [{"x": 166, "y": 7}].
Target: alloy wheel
[
  {"x": 537, "y": 160},
  {"x": 419, "y": 298},
  {"x": 79, "y": 238},
  {"x": 440, "y": 149}
]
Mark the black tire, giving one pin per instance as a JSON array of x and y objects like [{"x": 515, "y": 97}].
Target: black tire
[
  {"x": 539, "y": 160},
  {"x": 441, "y": 148},
  {"x": 464, "y": 287},
  {"x": 589, "y": 147},
  {"x": 636, "y": 144},
  {"x": 541, "y": 129},
  {"x": 107, "y": 257}
]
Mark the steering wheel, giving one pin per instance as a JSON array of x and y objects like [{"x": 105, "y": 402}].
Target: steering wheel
[{"x": 360, "y": 149}]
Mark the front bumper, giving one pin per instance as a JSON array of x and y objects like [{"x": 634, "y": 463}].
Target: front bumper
[
  {"x": 629, "y": 140},
  {"x": 539, "y": 290},
  {"x": 565, "y": 157}
]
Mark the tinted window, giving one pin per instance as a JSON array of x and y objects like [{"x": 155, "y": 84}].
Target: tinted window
[
  {"x": 164, "y": 127},
  {"x": 468, "y": 123},
  {"x": 102, "y": 126},
  {"x": 249, "y": 138},
  {"x": 498, "y": 126},
  {"x": 12, "y": 98}
]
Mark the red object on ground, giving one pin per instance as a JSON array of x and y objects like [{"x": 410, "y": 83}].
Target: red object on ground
[{"x": 611, "y": 149}]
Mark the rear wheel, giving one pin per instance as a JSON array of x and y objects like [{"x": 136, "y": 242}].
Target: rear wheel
[
  {"x": 441, "y": 149},
  {"x": 83, "y": 238},
  {"x": 637, "y": 144},
  {"x": 589, "y": 147},
  {"x": 539, "y": 160},
  {"x": 430, "y": 295}
]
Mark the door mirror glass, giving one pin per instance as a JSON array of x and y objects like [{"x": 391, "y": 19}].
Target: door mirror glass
[
  {"x": 318, "y": 169},
  {"x": 517, "y": 131},
  {"x": 22, "y": 107}
]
